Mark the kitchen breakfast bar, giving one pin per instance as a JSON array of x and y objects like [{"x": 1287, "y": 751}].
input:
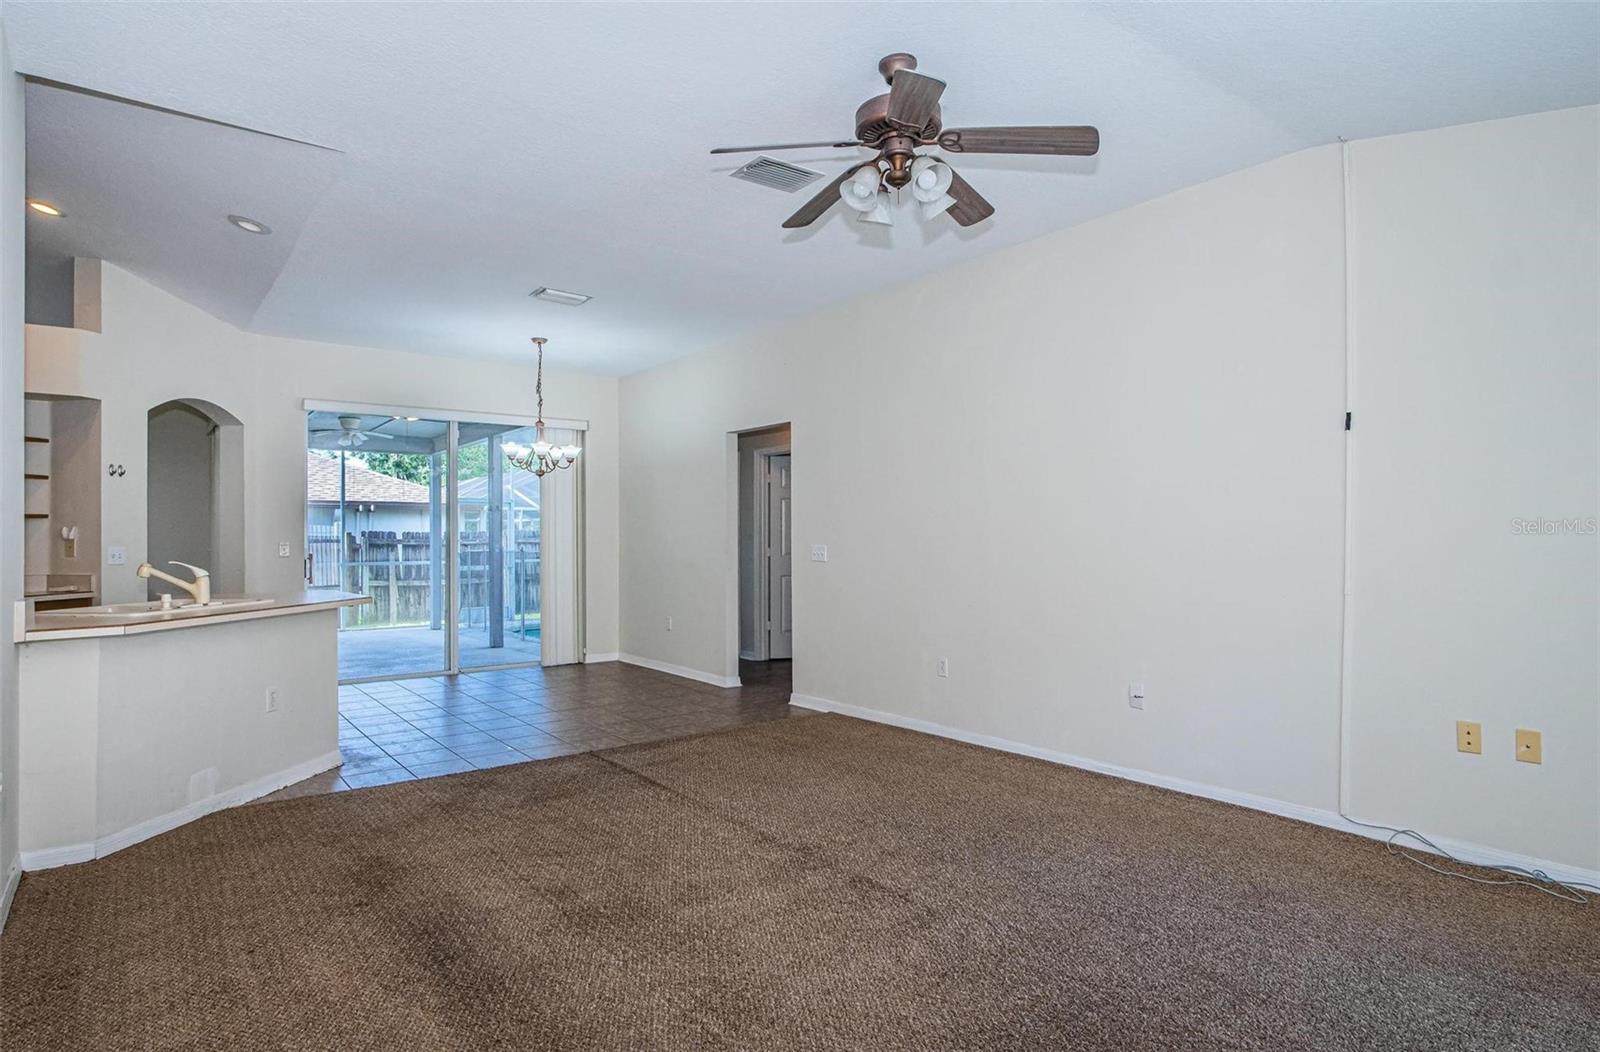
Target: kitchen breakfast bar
[{"x": 138, "y": 717}]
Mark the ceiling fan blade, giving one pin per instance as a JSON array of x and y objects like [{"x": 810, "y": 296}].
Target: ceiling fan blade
[
  {"x": 787, "y": 146},
  {"x": 970, "y": 206},
  {"x": 1075, "y": 140},
  {"x": 826, "y": 198},
  {"x": 913, "y": 99}
]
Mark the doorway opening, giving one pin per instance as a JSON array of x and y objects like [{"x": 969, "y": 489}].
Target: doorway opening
[
  {"x": 766, "y": 556},
  {"x": 194, "y": 495}
]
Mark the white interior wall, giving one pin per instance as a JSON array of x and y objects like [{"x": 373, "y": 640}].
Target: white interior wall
[
  {"x": 1116, "y": 455},
  {"x": 12, "y": 210},
  {"x": 179, "y": 500},
  {"x": 1475, "y": 271},
  {"x": 1111, "y": 454},
  {"x": 154, "y": 348}
]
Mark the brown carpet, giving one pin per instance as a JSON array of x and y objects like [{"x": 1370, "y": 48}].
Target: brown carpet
[{"x": 804, "y": 884}]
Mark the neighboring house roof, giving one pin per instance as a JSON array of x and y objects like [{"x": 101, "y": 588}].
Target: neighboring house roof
[
  {"x": 365, "y": 486},
  {"x": 362, "y": 485},
  {"x": 524, "y": 491}
]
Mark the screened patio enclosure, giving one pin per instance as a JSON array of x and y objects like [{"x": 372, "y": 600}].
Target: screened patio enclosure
[{"x": 429, "y": 518}]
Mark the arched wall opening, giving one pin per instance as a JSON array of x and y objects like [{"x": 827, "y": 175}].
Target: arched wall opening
[{"x": 195, "y": 492}]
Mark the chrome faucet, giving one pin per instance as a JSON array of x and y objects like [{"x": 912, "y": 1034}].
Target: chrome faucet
[{"x": 200, "y": 587}]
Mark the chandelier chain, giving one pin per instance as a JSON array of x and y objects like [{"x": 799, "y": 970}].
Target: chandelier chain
[{"x": 541, "y": 458}]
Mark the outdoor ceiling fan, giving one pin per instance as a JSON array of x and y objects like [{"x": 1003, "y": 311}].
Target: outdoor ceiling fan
[
  {"x": 896, "y": 124},
  {"x": 349, "y": 433}
]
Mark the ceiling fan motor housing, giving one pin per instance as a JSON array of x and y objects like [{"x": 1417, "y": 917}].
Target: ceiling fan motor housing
[{"x": 872, "y": 122}]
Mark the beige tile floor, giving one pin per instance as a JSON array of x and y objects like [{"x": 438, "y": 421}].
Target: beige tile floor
[{"x": 399, "y": 730}]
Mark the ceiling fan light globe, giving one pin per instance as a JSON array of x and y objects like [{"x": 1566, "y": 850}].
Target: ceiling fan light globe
[
  {"x": 860, "y": 191},
  {"x": 879, "y": 213},
  {"x": 937, "y": 207},
  {"x": 852, "y": 196},
  {"x": 930, "y": 179}
]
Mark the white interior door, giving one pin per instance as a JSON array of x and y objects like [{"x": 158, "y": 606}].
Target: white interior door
[{"x": 780, "y": 560}]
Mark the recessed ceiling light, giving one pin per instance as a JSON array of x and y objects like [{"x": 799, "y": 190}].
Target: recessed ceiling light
[
  {"x": 252, "y": 226},
  {"x": 45, "y": 208},
  {"x": 571, "y": 299}
]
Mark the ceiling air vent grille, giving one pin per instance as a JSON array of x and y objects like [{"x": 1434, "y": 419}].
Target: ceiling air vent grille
[{"x": 780, "y": 175}]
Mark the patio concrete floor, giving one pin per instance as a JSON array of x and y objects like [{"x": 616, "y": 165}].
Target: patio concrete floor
[{"x": 368, "y": 652}]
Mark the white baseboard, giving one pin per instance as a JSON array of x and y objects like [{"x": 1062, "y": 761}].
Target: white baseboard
[
  {"x": 596, "y": 659},
  {"x": 51, "y": 857},
  {"x": 9, "y": 890},
  {"x": 48, "y": 858},
  {"x": 1477, "y": 854},
  {"x": 747, "y": 655},
  {"x": 679, "y": 670}
]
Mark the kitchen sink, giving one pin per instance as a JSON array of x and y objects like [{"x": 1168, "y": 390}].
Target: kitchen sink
[{"x": 154, "y": 610}]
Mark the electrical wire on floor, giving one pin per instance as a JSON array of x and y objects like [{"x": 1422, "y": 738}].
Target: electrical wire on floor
[{"x": 1537, "y": 879}]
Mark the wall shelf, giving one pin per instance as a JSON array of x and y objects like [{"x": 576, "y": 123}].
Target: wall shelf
[
  {"x": 33, "y": 475},
  {"x": 36, "y": 515},
  {"x": 34, "y": 438}
]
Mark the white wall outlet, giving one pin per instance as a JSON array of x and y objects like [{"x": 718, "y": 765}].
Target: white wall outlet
[
  {"x": 272, "y": 699},
  {"x": 1136, "y": 695},
  {"x": 944, "y": 668},
  {"x": 819, "y": 553},
  {"x": 283, "y": 549},
  {"x": 669, "y": 622},
  {"x": 116, "y": 556}
]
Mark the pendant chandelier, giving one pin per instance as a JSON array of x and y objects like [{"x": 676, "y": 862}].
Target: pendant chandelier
[{"x": 541, "y": 458}]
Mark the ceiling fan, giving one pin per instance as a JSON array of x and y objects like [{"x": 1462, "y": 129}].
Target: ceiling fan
[
  {"x": 349, "y": 433},
  {"x": 896, "y": 124}
]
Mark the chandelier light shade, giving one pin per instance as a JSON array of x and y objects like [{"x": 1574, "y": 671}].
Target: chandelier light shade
[{"x": 542, "y": 457}]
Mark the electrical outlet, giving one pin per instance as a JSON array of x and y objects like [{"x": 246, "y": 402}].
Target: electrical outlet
[
  {"x": 1136, "y": 695},
  {"x": 1469, "y": 736},
  {"x": 272, "y": 699},
  {"x": 669, "y": 624},
  {"x": 283, "y": 549},
  {"x": 116, "y": 556},
  {"x": 819, "y": 553},
  {"x": 944, "y": 668},
  {"x": 1530, "y": 746}
]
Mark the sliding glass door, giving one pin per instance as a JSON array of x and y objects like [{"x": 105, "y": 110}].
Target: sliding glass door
[
  {"x": 431, "y": 520},
  {"x": 497, "y": 546},
  {"x": 376, "y": 487}
]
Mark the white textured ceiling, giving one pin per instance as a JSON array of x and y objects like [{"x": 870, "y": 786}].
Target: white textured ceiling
[
  {"x": 492, "y": 148},
  {"x": 129, "y": 175}
]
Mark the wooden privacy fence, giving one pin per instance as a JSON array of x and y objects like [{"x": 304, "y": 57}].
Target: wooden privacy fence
[{"x": 396, "y": 570}]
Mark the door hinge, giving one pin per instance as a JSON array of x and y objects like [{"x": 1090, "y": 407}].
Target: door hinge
[{"x": 1347, "y": 416}]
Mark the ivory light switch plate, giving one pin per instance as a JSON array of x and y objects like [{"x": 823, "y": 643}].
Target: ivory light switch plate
[
  {"x": 1469, "y": 736},
  {"x": 1530, "y": 746}
]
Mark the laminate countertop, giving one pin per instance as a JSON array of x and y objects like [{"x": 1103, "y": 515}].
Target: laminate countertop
[{"x": 125, "y": 619}]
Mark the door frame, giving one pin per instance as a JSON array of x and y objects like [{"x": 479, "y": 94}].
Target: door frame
[
  {"x": 760, "y": 525},
  {"x": 452, "y": 569}
]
